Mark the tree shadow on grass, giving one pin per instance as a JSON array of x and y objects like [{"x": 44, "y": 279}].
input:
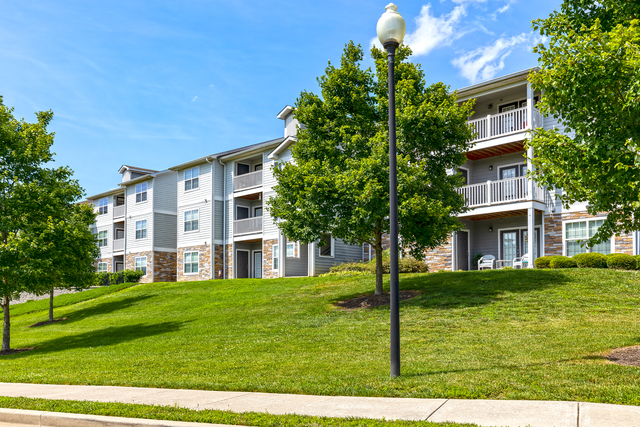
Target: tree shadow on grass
[
  {"x": 470, "y": 288},
  {"x": 100, "y": 338},
  {"x": 103, "y": 308}
]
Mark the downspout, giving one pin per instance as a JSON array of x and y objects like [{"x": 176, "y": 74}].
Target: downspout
[
  {"x": 224, "y": 222},
  {"x": 212, "y": 247}
]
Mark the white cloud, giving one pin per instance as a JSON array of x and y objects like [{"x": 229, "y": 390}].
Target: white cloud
[
  {"x": 485, "y": 62},
  {"x": 504, "y": 8},
  {"x": 433, "y": 32},
  {"x": 194, "y": 98}
]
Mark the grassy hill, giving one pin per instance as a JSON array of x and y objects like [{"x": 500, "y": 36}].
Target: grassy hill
[{"x": 530, "y": 334}]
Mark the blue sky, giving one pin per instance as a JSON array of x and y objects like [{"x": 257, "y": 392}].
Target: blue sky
[{"x": 157, "y": 83}]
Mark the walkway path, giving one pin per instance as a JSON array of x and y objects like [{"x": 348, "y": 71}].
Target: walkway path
[{"x": 511, "y": 413}]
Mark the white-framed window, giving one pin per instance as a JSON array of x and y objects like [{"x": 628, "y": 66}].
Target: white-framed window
[
  {"x": 327, "y": 248},
  {"x": 275, "y": 257},
  {"x": 102, "y": 238},
  {"x": 293, "y": 249},
  {"x": 141, "y": 229},
  {"x": 141, "y": 264},
  {"x": 102, "y": 267},
  {"x": 576, "y": 233},
  {"x": 191, "y": 181},
  {"x": 191, "y": 262},
  {"x": 141, "y": 192},
  {"x": 191, "y": 220},
  {"x": 103, "y": 206},
  {"x": 257, "y": 211}
]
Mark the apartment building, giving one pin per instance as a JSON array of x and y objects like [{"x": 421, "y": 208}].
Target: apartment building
[
  {"x": 506, "y": 208},
  {"x": 208, "y": 219}
]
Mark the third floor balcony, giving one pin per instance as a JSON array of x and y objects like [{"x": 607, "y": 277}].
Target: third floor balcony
[
  {"x": 502, "y": 191},
  {"x": 247, "y": 181},
  {"x": 505, "y": 123}
]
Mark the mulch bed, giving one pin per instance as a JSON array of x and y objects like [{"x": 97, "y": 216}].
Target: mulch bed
[
  {"x": 373, "y": 301},
  {"x": 16, "y": 350},
  {"x": 629, "y": 356},
  {"x": 48, "y": 322}
]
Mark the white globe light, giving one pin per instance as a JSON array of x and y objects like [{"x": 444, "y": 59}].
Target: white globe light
[{"x": 391, "y": 26}]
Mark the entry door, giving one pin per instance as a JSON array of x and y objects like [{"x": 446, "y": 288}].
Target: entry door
[
  {"x": 119, "y": 266},
  {"x": 509, "y": 244},
  {"x": 508, "y": 120},
  {"x": 242, "y": 264},
  {"x": 257, "y": 264},
  {"x": 536, "y": 243},
  {"x": 462, "y": 250}
]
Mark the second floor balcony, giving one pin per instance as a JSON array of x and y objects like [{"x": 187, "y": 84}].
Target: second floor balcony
[
  {"x": 247, "y": 226},
  {"x": 506, "y": 123},
  {"x": 500, "y": 192},
  {"x": 118, "y": 244},
  {"x": 247, "y": 181}
]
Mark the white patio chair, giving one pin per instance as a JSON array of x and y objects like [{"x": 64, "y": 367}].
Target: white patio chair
[
  {"x": 521, "y": 262},
  {"x": 487, "y": 261}
]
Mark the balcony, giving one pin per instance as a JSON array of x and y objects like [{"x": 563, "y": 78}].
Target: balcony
[
  {"x": 503, "y": 124},
  {"x": 118, "y": 211},
  {"x": 500, "y": 192},
  {"x": 118, "y": 244},
  {"x": 247, "y": 180},
  {"x": 247, "y": 226}
]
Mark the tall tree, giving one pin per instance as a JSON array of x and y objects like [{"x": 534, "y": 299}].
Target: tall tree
[
  {"x": 31, "y": 199},
  {"x": 590, "y": 79},
  {"x": 338, "y": 182}
]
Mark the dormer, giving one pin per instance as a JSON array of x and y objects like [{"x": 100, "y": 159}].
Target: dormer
[
  {"x": 290, "y": 123},
  {"x": 132, "y": 172}
]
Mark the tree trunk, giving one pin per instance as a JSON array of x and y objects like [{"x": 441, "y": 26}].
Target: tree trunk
[
  {"x": 6, "y": 336},
  {"x": 51, "y": 304},
  {"x": 379, "y": 289}
]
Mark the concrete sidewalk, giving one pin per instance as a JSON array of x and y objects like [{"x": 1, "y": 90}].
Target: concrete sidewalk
[{"x": 509, "y": 413}]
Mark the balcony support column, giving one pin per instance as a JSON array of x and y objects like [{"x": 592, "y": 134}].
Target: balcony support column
[{"x": 531, "y": 216}]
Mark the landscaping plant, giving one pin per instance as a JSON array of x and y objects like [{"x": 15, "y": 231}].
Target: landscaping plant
[{"x": 621, "y": 262}]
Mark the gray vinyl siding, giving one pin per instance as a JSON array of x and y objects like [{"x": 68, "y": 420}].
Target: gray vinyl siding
[
  {"x": 343, "y": 253},
  {"x": 165, "y": 228},
  {"x": 166, "y": 198},
  {"x": 485, "y": 242},
  {"x": 294, "y": 267},
  {"x": 481, "y": 108},
  {"x": 218, "y": 223},
  {"x": 218, "y": 179},
  {"x": 479, "y": 169},
  {"x": 269, "y": 227}
]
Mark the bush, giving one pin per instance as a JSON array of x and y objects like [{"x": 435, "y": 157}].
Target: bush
[
  {"x": 621, "y": 262},
  {"x": 405, "y": 265},
  {"x": 102, "y": 279},
  {"x": 116, "y": 278},
  {"x": 132, "y": 276},
  {"x": 637, "y": 257},
  {"x": 591, "y": 260},
  {"x": 560, "y": 261},
  {"x": 543, "y": 262}
]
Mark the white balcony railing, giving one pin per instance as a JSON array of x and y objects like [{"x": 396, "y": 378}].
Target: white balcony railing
[
  {"x": 503, "y": 124},
  {"x": 500, "y": 192},
  {"x": 247, "y": 226},
  {"x": 247, "y": 180},
  {"x": 118, "y": 244},
  {"x": 118, "y": 211}
]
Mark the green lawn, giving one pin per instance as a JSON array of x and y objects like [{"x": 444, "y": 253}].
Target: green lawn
[{"x": 519, "y": 334}]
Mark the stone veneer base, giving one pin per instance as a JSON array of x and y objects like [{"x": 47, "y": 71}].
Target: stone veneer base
[{"x": 204, "y": 263}]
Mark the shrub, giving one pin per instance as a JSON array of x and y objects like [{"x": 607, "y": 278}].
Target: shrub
[
  {"x": 543, "y": 262},
  {"x": 365, "y": 267},
  {"x": 560, "y": 261},
  {"x": 637, "y": 257},
  {"x": 132, "y": 276},
  {"x": 412, "y": 265},
  {"x": 102, "y": 279},
  {"x": 405, "y": 265},
  {"x": 116, "y": 278},
  {"x": 591, "y": 260},
  {"x": 621, "y": 262}
]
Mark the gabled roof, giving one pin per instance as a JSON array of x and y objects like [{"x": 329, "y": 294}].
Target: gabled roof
[
  {"x": 105, "y": 194},
  {"x": 285, "y": 112},
  {"x": 143, "y": 178},
  {"x": 517, "y": 77},
  {"x": 124, "y": 168},
  {"x": 275, "y": 154}
]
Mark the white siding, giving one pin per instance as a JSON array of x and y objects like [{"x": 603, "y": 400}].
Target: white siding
[
  {"x": 195, "y": 199},
  {"x": 138, "y": 212}
]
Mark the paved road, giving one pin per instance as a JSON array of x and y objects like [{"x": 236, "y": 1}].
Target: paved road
[{"x": 508, "y": 413}]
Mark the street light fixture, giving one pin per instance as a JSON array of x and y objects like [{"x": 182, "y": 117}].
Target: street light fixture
[{"x": 391, "y": 28}]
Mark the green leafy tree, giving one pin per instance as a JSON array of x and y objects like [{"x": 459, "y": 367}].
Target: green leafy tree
[
  {"x": 338, "y": 182},
  {"x": 33, "y": 208},
  {"x": 590, "y": 79}
]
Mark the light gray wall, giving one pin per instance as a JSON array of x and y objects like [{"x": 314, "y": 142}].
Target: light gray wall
[
  {"x": 342, "y": 253},
  {"x": 218, "y": 223},
  {"x": 486, "y": 242},
  {"x": 166, "y": 231},
  {"x": 294, "y": 267}
]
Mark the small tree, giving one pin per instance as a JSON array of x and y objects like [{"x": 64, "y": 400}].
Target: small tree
[
  {"x": 31, "y": 223},
  {"x": 338, "y": 182},
  {"x": 590, "y": 79}
]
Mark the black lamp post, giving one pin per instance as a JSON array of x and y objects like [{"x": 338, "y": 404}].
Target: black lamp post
[{"x": 391, "y": 28}]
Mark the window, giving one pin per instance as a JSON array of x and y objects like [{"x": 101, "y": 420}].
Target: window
[
  {"x": 242, "y": 169},
  {"x": 257, "y": 168},
  {"x": 191, "y": 220},
  {"x": 102, "y": 267},
  {"x": 141, "y": 192},
  {"x": 191, "y": 178},
  {"x": 141, "y": 229},
  {"x": 291, "y": 249},
  {"x": 275, "y": 257},
  {"x": 576, "y": 234},
  {"x": 141, "y": 264},
  {"x": 257, "y": 211},
  {"x": 190, "y": 262},
  {"x": 103, "y": 207},
  {"x": 102, "y": 238},
  {"x": 326, "y": 245}
]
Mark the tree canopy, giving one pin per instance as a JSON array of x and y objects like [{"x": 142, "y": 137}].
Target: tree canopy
[
  {"x": 590, "y": 79},
  {"x": 44, "y": 237},
  {"x": 338, "y": 181}
]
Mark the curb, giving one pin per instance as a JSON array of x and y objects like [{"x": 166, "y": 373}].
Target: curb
[{"x": 60, "y": 419}]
